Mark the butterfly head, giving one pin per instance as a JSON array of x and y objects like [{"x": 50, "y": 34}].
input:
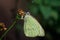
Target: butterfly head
[{"x": 22, "y": 13}]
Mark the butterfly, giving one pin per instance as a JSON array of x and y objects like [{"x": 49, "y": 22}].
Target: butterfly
[{"x": 32, "y": 28}]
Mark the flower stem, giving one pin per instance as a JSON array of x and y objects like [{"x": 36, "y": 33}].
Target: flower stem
[{"x": 8, "y": 30}]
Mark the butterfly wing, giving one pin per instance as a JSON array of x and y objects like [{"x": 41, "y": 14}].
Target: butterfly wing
[{"x": 31, "y": 27}]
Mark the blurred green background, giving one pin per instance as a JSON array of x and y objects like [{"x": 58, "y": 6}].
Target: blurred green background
[{"x": 47, "y": 12}]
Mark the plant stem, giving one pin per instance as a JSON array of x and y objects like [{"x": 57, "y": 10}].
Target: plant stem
[{"x": 8, "y": 30}]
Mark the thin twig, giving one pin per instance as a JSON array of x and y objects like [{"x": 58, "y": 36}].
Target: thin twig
[{"x": 8, "y": 30}]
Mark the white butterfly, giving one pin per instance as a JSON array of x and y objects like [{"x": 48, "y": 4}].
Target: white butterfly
[{"x": 32, "y": 28}]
